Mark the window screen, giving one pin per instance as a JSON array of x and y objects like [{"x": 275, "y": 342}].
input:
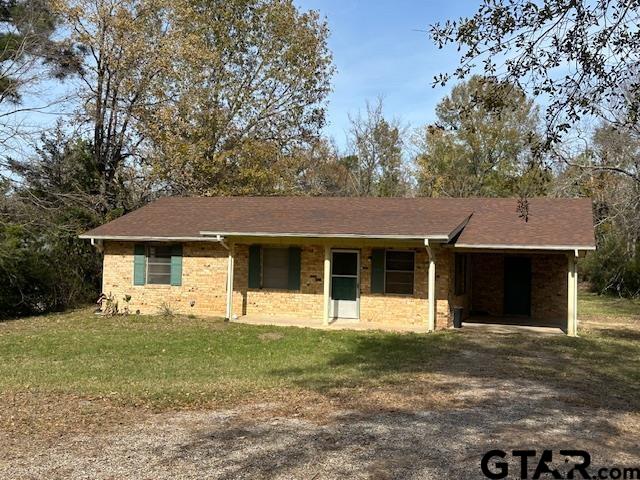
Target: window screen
[
  {"x": 399, "y": 272},
  {"x": 275, "y": 268},
  {"x": 159, "y": 265}
]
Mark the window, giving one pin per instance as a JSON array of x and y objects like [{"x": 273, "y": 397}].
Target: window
[
  {"x": 159, "y": 265},
  {"x": 399, "y": 269},
  {"x": 275, "y": 268},
  {"x": 461, "y": 274}
]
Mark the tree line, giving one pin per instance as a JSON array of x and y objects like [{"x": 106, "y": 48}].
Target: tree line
[{"x": 212, "y": 97}]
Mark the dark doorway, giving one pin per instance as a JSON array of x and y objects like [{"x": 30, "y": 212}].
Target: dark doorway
[{"x": 517, "y": 286}]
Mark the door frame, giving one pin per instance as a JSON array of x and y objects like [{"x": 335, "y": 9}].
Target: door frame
[{"x": 345, "y": 250}]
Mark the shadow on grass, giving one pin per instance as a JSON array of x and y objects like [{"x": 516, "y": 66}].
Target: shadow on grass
[
  {"x": 368, "y": 358},
  {"x": 626, "y": 334},
  {"x": 394, "y": 444},
  {"x": 602, "y": 368},
  {"x": 545, "y": 393}
]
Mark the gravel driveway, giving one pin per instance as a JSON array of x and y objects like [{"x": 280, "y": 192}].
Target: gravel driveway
[{"x": 253, "y": 442}]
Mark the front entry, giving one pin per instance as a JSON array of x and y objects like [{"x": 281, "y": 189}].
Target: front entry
[
  {"x": 345, "y": 284},
  {"x": 517, "y": 286}
]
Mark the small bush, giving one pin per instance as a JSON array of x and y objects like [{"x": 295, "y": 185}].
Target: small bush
[{"x": 165, "y": 310}]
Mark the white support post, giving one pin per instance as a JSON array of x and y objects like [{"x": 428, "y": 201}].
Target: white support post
[
  {"x": 572, "y": 295},
  {"x": 431, "y": 325},
  {"x": 327, "y": 284},
  {"x": 230, "y": 270}
]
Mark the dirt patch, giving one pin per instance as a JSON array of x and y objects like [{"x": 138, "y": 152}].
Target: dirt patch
[
  {"x": 270, "y": 336},
  {"x": 33, "y": 420}
]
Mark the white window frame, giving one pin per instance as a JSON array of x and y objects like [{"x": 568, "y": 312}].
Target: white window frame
[{"x": 147, "y": 256}]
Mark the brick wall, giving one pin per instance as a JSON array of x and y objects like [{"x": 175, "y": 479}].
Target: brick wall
[
  {"x": 487, "y": 280},
  {"x": 548, "y": 285},
  {"x": 204, "y": 285},
  {"x": 204, "y": 272},
  {"x": 407, "y": 309},
  {"x": 374, "y": 308},
  {"x": 464, "y": 299},
  {"x": 306, "y": 302}
]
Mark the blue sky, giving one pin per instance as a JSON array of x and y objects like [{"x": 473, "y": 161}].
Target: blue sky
[{"x": 380, "y": 48}]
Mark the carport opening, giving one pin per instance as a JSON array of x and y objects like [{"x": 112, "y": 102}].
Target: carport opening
[{"x": 512, "y": 288}]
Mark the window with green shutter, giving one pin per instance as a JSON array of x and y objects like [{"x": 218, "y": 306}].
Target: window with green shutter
[
  {"x": 276, "y": 268},
  {"x": 139, "y": 264},
  {"x": 392, "y": 271},
  {"x": 157, "y": 264},
  {"x": 399, "y": 271}
]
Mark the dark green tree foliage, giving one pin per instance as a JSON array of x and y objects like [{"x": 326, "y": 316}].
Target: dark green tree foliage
[
  {"x": 482, "y": 144},
  {"x": 44, "y": 266},
  {"x": 26, "y": 30},
  {"x": 614, "y": 267}
]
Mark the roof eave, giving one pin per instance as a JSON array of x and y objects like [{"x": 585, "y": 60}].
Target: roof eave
[
  {"x": 524, "y": 247},
  {"x": 148, "y": 238},
  {"x": 438, "y": 237}
]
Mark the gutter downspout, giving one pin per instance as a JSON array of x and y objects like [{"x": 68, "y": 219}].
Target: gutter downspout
[
  {"x": 220, "y": 239},
  {"x": 431, "y": 325},
  {"x": 96, "y": 242}
]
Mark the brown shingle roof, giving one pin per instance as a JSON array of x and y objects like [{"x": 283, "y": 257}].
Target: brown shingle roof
[{"x": 552, "y": 222}]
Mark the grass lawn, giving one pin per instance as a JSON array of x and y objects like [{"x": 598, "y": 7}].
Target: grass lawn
[
  {"x": 82, "y": 396},
  {"x": 593, "y": 304},
  {"x": 180, "y": 362}
]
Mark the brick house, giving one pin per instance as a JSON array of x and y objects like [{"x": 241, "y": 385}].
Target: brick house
[{"x": 408, "y": 261}]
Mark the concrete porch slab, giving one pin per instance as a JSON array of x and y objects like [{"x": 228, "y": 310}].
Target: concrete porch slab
[
  {"x": 336, "y": 324},
  {"x": 505, "y": 328},
  {"x": 350, "y": 324},
  {"x": 519, "y": 320}
]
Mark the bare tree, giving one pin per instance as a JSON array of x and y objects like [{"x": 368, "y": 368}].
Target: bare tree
[
  {"x": 377, "y": 165},
  {"x": 124, "y": 46}
]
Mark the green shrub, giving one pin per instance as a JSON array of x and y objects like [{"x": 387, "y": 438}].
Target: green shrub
[{"x": 614, "y": 268}]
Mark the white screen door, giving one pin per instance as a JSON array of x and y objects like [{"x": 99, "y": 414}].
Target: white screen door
[{"x": 345, "y": 284}]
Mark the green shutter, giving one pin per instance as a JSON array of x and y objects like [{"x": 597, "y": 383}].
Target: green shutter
[
  {"x": 294, "y": 268},
  {"x": 139, "y": 261},
  {"x": 377, "y": 270},
  {"x": 254, "y": 266},
  {"x": 176, "y": 265}
]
